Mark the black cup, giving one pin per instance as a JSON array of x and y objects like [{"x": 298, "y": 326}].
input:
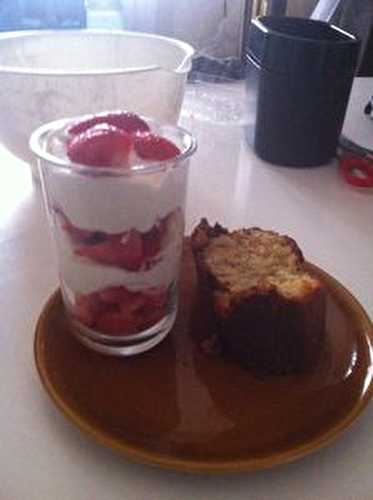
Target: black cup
[{"x": 301, "y": 72}]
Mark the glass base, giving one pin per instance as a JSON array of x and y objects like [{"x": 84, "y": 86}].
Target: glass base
[{"x": 129, "y": 345}]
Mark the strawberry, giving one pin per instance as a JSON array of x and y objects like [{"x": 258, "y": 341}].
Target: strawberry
[
  {"x": 115, "y": 295},
  {"x": 152, "y": 242},
  {"x": 114, "y": 322},
  {"x": 116, "y": 310},
  {"x": 154, "y": 147},
  {"x": 132, "y": 304},
  {"x": 76, "y": 234},
  {"x": 120, "y": 251},
  {"x": 156, "y": 297},
  {"x": 101, "y": 146},
  {"x": 87, "y": 308},
  {"x": 119, "y": 296},
  {"x": 129, "y": 122}
]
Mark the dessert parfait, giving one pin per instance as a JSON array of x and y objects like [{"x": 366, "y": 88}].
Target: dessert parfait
[{"x": 114, "y": 185}]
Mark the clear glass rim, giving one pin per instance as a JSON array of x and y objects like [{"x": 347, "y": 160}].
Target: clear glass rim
[{"x": 41, "y": 133}]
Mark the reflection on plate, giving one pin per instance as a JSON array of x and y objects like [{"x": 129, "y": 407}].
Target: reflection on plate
[{"x": 179, "y": 408}]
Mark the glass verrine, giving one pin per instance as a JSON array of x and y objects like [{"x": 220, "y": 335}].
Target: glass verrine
[{"x": 119, "y": 236}]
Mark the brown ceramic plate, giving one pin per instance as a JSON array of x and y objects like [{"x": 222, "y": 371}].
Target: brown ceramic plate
[{"x": 179, "y": 408}]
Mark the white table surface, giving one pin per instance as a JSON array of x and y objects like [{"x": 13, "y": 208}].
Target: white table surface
[{"x": 42, "y": 455}]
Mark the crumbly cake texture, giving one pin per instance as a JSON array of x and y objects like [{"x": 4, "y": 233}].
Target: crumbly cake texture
[{"x": 270, "y": 312}]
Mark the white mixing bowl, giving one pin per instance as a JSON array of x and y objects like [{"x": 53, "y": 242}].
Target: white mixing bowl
[{"x": 45, "y": 75}]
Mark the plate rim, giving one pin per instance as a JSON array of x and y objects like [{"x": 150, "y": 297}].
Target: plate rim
[{"x": 141, "y": 454}]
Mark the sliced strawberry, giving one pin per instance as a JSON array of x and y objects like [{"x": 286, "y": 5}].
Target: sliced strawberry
[
  {"x": 129, "y": 122},
  {"x": 123, "y": 298},
  {"x": 125, "y": 252},
  {"x": 116, "y": 310},
  {"x": 154, "y": 147},
  {"x": 115, "y": 295},
  {"x": 101, "y": 146},
  {"x": 87, "y": 308},
  {"x": 152, "y": 242},
  {"x": 156, "y": 297},
  {"x": 116, "y": 323},
  {"x": 76, "y": 234},
  {"x": 132, "y": 304}
]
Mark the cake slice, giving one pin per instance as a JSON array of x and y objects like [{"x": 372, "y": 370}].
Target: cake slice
[{"x": 270, "y": 312}]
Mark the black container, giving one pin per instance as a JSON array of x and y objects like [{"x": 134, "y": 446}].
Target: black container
[{"x": 301, "y": 72}]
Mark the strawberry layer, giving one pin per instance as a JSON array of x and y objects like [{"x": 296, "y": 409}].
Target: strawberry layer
[
  {"x": 119, "y": 311},
  {"x": 84, "y": 276},
  {"x": 130, "y": 250}
]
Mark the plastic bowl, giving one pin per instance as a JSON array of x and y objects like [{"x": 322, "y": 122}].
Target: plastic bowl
[{"x": 48, "y": 74}]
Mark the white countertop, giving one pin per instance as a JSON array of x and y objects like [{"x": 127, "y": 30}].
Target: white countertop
[{"x": 42, "y": 455}]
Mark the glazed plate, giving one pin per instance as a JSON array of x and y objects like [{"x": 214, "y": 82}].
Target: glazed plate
[{"x": 181, "y": 407}]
